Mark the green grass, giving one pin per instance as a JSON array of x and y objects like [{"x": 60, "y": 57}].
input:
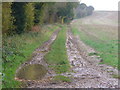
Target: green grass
[
  {"x": 57, "y": 57},
  {"x": 19, "y": 48},
  {"x": 107, "y": 47},
  {"x": 91, "y": 54},
  {"x": 116, "y": 76},
  {"x": 62, "y": 78}
]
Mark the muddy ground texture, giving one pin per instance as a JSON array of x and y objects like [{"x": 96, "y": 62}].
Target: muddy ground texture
[
  {"x": 86, "y": 72},
  {"x": 38, "y": 59}
]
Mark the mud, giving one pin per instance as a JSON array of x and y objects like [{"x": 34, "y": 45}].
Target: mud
[
  {"x": 32, "y": 72},
  {"x": 29, "y": 72},
  {"x": 86, "y": 72}
]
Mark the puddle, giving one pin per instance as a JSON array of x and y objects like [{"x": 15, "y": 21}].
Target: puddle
[{"x": 32, "y": 72}]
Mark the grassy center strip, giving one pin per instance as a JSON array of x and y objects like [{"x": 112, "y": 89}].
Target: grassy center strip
[{"x": 57, "y": 57}]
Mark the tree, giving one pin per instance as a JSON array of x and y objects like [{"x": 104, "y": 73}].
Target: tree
[
  {"x": 83, "y": 10},
  {"x": 82, "y": 6},
  {"x": 29, "y": 16},
  {"x": 52, "y": 9},
  {"x": 66, "y": 12},
  {"x": 90, "y": 10},
  {"x": 7, "y": 18},
  {"x": 18, "y": 11},
  {"x": 23, "y": 13},
  {"x": 39, "y": 12}
]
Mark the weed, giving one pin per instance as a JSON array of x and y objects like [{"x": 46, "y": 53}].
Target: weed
[
  {"x": 62, "y": 78},
  {"x": 94, "y": 53},
  {"x": 116, "y": 76}
]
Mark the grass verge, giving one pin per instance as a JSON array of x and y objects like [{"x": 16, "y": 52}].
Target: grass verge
[
  {"x": 17, "y": 49},
  {"x": 57, "y": 57}
]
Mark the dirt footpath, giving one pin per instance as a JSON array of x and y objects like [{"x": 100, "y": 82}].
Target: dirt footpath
[
  {"x": 86, "y": 72},
  {"x": 38, "y": 59}
]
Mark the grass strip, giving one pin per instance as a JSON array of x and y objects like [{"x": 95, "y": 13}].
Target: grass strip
[
  {"x": 62, "y": 78},
  {"x": 57, "y": 57}
]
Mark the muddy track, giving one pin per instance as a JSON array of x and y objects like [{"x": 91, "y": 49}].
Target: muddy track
[
  {"x": 38, "y": 58},
  {"x": 86, "y": 72}
]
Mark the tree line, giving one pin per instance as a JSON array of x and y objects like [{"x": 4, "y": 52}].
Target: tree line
[
  {"x": 21, "y": 17},
  {"x": 83, "y": 10}
]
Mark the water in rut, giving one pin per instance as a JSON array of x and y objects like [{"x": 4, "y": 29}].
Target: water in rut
[{"x": 32, "y": 72}]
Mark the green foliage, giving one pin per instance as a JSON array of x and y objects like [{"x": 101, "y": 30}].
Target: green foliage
[
  {"x": 42, "y": 14},
  {"x": 45, "y": 12},
  {"x": 67, "y": 11},
  {"x": 116, "y": 76},
  {"x": 29, "y": 16},
  {"x": 91, "y": 54},
  {"x": 52, "y": 9},
  {"x": 62, "y": 78},
  {"x": 7, "y": 18},
  {"x": 18, "y": 11},
  {"x": 39, "y": 12},
  {"x": 25, "y": 15}
]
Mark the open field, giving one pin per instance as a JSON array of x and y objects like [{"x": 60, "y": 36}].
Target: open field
[{"x": 100, "y": 32}]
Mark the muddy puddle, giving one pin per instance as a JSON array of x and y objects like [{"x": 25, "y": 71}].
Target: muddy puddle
[{"x": 32, "y": 72}]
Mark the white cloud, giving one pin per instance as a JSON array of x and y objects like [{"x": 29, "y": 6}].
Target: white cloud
[{"x": 102, "y": 4}]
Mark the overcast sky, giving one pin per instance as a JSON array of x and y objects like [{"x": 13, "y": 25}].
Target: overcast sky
[{"x": 102, "y": 4}]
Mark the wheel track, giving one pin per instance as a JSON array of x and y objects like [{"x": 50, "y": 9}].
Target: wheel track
[
  {"x": 86, "y": 71},
  {"x": 89, "y": 74},
  {"x": 38, "y": 58}
]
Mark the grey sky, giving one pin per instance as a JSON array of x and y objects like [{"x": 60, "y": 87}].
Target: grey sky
[{"x": 103, "y": 4}]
